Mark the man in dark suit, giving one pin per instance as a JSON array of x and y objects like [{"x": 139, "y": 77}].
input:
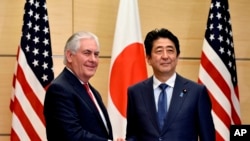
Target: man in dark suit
[
  {"x": 73, "y": 109},
  {"x": 181, "y": 111}
]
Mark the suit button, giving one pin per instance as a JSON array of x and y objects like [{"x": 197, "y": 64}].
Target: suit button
[{"x": 160, "y": 139}]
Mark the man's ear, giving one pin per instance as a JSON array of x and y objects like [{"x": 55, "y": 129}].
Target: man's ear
[
  {"x": 148, "y": 58},
  {"x": 68, "y": 54}
]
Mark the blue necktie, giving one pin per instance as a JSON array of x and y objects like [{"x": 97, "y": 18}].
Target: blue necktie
[{"x": 162, "y": 105}]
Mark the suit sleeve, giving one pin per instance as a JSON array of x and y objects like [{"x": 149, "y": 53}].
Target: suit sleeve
[
  {"x": 206, "y": 125},
  {"x": 131, "y": 122}
]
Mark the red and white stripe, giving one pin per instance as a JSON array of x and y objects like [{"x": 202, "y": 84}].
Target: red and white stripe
[
  {"x": 225, "y": 98},
  {"x": 27, "y": 104}
]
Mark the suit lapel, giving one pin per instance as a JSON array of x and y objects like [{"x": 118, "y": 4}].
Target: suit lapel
[
  {"x": 85, "y": 97},
  {"x": 177, "y": 100},
  {"x": 103, "y": 108},
  {"x": 79, "y": 88},
  {"x": 149, "y": 102}
]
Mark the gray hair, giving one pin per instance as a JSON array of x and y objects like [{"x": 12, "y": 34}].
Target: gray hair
[{"x": 73, "y": 43}]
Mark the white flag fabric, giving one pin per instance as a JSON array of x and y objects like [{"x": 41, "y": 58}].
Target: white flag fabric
[{"x": 128, "y": 64}]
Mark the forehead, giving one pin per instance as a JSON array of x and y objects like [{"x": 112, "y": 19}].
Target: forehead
[
  {"x": 89, "y": 44},
  {"x": 163, "y": 42}
]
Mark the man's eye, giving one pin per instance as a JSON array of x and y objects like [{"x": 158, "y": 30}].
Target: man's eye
[
  {"x": 158, "y": 51},
  {"x": 170, "y": 51},
  {"x": 86, "y": 52}
]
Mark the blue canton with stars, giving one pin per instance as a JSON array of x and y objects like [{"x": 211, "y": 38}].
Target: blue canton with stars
[
  {"x": 219, "y": 35},
  {"x": 35, "y": 41}
]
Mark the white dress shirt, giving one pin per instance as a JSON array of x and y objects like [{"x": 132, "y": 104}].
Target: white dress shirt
[{"x": 169, "y": 90}]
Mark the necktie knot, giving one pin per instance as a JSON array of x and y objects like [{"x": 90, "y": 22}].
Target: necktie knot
[
  {"x": 163, "y": 86},
  {"x": 86, "y": 86}
]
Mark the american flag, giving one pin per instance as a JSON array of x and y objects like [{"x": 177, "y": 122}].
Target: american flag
[
  {"x": 218, "y": 69},
  {"x": 33, "y": 73}
]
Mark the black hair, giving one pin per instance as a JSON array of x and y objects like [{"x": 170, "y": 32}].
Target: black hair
[{"x": 160, "y": 33}]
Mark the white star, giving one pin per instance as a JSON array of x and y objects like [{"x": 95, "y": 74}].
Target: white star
[
  {"x": 46, "y": 41},
  {"x": 45, "y": 77},
  {"x": 211, "y": 37},
  {"x": 219, "y": 27},
  {"x": 221, "y": 50},
  {"x": 226, "y": 29},
  {"x": 37, "y": 17},
  {"x": 30, "y": 13},
  {"x": 46, "y": 30},
  {"x": 45, "y": 66},
  {"x": 45, "y": 53},
  {"x": 35, "y": 62},
  {"x": 36, "y": 28},
  {"x": 218, "y": 15},
  {"x": 217, "y": 5},
  {"x": 231, "y": 33},
  {"x": 211, "y": 16},
  {"x": 28, "y": 36},
  {"x": 31, "y": 2},
  {"x": 211, "y": 6},
  {"x": 29, "y": 24},
  {"x": 234, "y": 79},
  {"x": 225, "y": 18},
  {"x": 220, "y": 38},
  {"x": 36, "y": 40},
  {"x": 232, "y": 45},
  {"x": 35, "y": 51},
  {"x": 37, "y": 4},
  {"x": 45, "y": 6},
  {"x": 45, "y": 17},
  {"x": 228, "y": 42},
  {"x": 27, "y": 48},
  {"x": 211, "y": 26},
  {"x": 229, "y": 53},
  {"x": 230, "y": 64}
]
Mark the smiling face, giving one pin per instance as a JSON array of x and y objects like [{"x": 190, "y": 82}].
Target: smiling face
[
  {"x": 163, "y": 58},
  {"x": 85, "y": 61}
]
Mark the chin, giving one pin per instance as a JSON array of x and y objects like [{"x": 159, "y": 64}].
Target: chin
[{"x": 92, "y": 73}]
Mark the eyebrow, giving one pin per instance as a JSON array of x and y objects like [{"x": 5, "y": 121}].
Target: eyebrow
[
  {"x": 88, "y": 50},
  {"x": 169, "y": 46}
]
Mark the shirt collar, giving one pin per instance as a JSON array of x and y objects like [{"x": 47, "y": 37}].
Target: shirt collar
[
  {"x": 74, "y": 74},
  {"x": 170, "y": 82}
]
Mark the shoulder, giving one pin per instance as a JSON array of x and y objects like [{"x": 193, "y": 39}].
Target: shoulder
[
  {"x": 142, "y": 83},
  {"x": 65, "y": 82},
  {"x": 189, "y": 82}
]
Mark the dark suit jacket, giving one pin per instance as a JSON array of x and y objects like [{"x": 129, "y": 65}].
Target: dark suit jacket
[
  {"x": 189, "y": 114},
  {"x": 70, "y": 114}
]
